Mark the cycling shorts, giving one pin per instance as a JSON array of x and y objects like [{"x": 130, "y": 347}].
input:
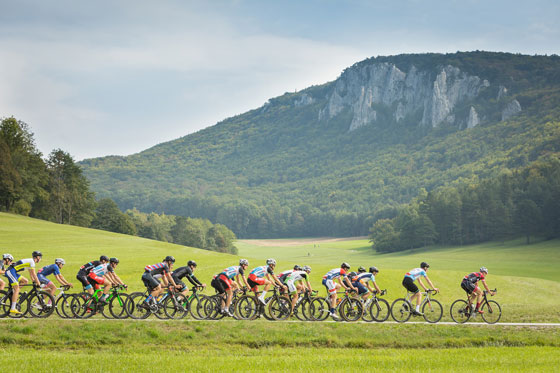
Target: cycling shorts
[
  {"x": 149, "y": 281},
  {"x": 292, "y": 288},
  {"x": 96, "y": 279},
  {"x": 82, "y": 277},
  {"x": 220, "y": 285},
  {"x": 12, "y": 275},
  {"x": 42, "y": 279},
  {"x": 330, "y": 285},
  {"x": 468, "y": 286},
  {"x": 409, "y": 285},
  {"x": 255, "y": 281},
  {"x": 362, "y": 289}
]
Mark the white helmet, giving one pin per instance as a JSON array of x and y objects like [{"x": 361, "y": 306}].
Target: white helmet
[
  {"x": 243, "y": 262},
  {"x": 59, "y": 261},
  {"x": 307, "y": 269},
  {"x": 484, "y": 269},
  {"x": 8, "y": 256},
  {"x": 271, "y": 262}
]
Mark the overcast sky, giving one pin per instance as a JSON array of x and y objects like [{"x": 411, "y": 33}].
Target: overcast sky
[{"x": 117, "y": 77}]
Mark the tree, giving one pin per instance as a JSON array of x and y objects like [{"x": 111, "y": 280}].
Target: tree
[
  {"x": 383, "y": 236},
  {"x": 108, "y": 217}
]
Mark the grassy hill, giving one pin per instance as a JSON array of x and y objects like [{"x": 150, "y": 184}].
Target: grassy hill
[
  {"x": 513, "y": 266},
  {"x": 283, "y": 170}
]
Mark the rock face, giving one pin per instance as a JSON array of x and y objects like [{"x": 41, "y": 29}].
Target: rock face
[
  {"x": 512, "y": 109},
  {"x": 368, "y": 88},
  {"x": 473, "y": 120}
]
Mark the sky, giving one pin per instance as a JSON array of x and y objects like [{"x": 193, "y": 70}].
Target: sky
[{"x": 117, "y": 77}]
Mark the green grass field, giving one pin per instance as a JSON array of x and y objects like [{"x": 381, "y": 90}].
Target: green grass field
[{"x": 524, "y": 276}]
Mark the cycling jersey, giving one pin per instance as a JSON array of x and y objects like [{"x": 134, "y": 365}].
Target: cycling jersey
[
  {"x": 20, "y": 265},
  {"x": 157, "y": 269},
  {"x": 474, "y": 277},
  {"x": 89, "y": 266},
  {"x": 261, "y": 271},
  {"x": 52, "y": 269},
  {"x": 364, "y": 278},
  {"x": 334, "y": 274},
  {"x": 102, "y": 269},
  {"x": 185, "y": 271},
  {"x": 415, "y": 273},
  {"x": 297, "y": 276},
  {"x": 231, "y": 272}
]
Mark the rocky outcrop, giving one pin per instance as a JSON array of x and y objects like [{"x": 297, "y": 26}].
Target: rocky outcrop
[
  {"x": 511, "y": 109},
  {"x": 303, "y": 100},
  {"x": 364, "y": 89},
  {"x": 472, "y": 120}
]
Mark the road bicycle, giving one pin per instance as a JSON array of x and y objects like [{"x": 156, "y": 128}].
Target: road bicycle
[
  {"x": 349, "y": 307},
  {"x": 249, "y": 307},
  {"x": 218, "y": 301},
  {"x": 462, "y": 310},
  {"x": 376, "y": 309},
  {"x": 139, "y": 307},
  {"x": 36, "y": 302},
  {"x": 63, "y": 302},
  {"x": 402, "y": 309},
  {"x": 303, "y": 304},
  {"x": 84, "y": 305}
]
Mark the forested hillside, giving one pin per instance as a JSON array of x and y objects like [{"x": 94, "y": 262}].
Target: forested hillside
[{"x": 335, "y": 158}]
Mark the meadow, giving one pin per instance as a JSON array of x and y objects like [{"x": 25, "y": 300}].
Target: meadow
[{"x": 524, "y": 275}]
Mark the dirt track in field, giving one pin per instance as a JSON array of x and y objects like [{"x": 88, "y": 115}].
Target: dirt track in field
[{"x": 298, "y": 241}]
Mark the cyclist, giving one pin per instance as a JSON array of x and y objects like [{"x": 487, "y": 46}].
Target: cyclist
[
  {"x": 362, "y": 280},
  {"x": 15, "y": 279},
  {"x": 84, "y": 271},
  {"x": 293, "y": 281},
  {"x": 186, "y": 271},
  {"x": 264, "y": 275},
  {"x": 52, "y": 269},
  {"x": 224, "y": 282},
  {"x": 104, "y": 274},
  {"x": 7, "y": 259},
  {"x": 470, "y": 285},
  {"x": 284, "y": 275},
  {"x": 153, "y": 285},
  {"x": 409, "y": 285},
  {"x": 332, "y": 287}
]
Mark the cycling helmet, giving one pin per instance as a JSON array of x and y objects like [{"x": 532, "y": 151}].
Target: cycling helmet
[
  {"x": 36, "y": 254},
  {"x": 8, "y": 256},
  {"x": 271, "y": 262},
  {"x": 352, "y": 274},
  {"x": 424, "y": 265},
  {"x": 345, "y": 265},
  {"x": 191, "y": 263},
  {"x": 59, "y": 261},
  {"x": 243, "y": 262},
  {"x": 103, "y": 258},
  {"x": 484, "y": 269},
  {"x": 361, "y": 269},
  {"x": 169, "y": 258},
  {"x": 373, "y": 269},
  {"x": 306, "y": 269},
  {"x": 297, "y": 267},
  {"x": 114, "y": 260}
]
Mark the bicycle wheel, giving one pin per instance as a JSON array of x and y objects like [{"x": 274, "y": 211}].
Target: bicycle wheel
[
  {"x": 401, "y": 310},
  {"x": 117, "y": 306},
  {"x": 217, "y": 302},
  {"x": 5, "y": 303},
  {"x": 63, "y": 306},
  {"x": 351, "y": 309},
  {"x": 197, "y": 306},
  {"x": 300, "y": 311},
  {"x": 137, "y": 307},
  {"x": 83, "y": 305},
  {"x": 279, "y": 308},
  {"x": 174, "y": 306},
  {"x": 41, "y": 304},
  {"x": 432, "y": 310},
  {"x": 247, "y": 307},
  {"x": 379, "y": 310},
  {"x": 319, "y": 309},
  {"x": 492, "y": 312},
  {"x": 460, "y": 312}
]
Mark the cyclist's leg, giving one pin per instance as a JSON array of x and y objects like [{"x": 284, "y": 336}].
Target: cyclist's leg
[
  {"x": 293, "y": 290},
  {"x": 2, "y": 284},
  {"x": 478, "y": 293}
]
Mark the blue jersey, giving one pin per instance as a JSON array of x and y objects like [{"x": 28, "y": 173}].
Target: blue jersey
[
  {"x": 334, "y": 273},
  {"x": 364, "y": 278},
  {"x": 102, "y": 269},
  {"x": 231, "y": 272},
  {"x": 261, "y": 271},
  {"x": 50, "y": 270},
  {"x": 415, "y": 273}
]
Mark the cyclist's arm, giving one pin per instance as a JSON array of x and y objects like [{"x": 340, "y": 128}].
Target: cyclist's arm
[
  {"x": 376, "y": 287},
  {"x": 486, "y": 286},
  {"x": 244, "y": 280},
  {"x": 170, "y": 279},
  {"x": 118, "y": 279},
  {"x": 193, "y": 280},
  {"x": 422, "y": 284},
  {"x": 34, "y": 277},
  {"x": 62, "y": 280},
  {"x": 274, "y": 280},
  {"x": 430, "y": 282},
  {"x": 308, "y": 285}
]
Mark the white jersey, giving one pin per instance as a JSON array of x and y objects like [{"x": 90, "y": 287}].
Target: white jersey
[{"x": 296, "y": 276}]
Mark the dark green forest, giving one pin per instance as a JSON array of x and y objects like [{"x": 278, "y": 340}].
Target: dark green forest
[
  {"x": 56, "y": 189},
  {"x": 280, "y": 171}
]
